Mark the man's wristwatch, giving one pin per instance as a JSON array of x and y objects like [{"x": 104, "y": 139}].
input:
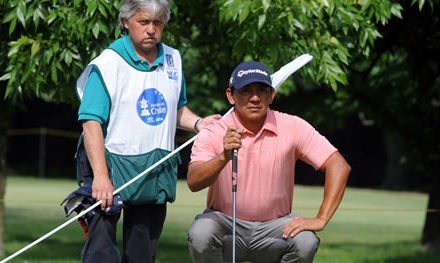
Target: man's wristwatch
[{"x": 195, "y": 125}]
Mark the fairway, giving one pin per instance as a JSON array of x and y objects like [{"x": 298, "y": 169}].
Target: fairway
[{"x": 370, "y": 225}]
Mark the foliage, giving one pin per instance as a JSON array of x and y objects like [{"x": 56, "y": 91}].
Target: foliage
[
  {"x": 46, "y": 44},
  {"x": 195, "y": 29},
  {"x": 49, "y": 42},
  {"x": 398, "y": 87},
  {"x": 331, "y": 31}
]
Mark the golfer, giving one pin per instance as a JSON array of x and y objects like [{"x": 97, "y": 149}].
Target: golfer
[
  {"x": 269, "y": 143},
  {"x": 133, "y": 97}
]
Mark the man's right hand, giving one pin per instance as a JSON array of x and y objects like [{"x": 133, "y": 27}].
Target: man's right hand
[
  {"x": 102, "y": 187},
  {"x": 103, "y": 190},
  {"x": 231, "y": 140}
]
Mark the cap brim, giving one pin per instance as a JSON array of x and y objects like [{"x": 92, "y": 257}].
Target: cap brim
[{"x": 244, "y": 83}]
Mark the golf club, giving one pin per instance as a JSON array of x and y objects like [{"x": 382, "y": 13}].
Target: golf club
[
  {"x": 277, "y": 79},
  {"x": 234, "y": 192}
]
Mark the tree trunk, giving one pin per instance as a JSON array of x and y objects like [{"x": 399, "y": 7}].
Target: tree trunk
[
  {"x": 394, "y": 175},
  {"x": 4, "y": 121},
  {"x": 431, "y": 230},
  {"x": 2, "y": 191}
]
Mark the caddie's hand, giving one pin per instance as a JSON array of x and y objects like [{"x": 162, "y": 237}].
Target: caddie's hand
[
  {"x": 299, "y": 224},
  {"x": 231, "y": 140},
  {"x": 207, "y": 120},
  {"x": 103, "y": 190}
]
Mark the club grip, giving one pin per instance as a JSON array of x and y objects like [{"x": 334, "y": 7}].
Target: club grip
[{"x": 234, "y": 160}]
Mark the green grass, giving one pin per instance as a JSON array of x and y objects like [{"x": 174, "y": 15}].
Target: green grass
[{"x": 370, "y": 225}]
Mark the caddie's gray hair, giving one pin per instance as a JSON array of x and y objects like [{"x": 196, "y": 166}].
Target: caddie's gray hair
[{"x": 159, "y": 8}]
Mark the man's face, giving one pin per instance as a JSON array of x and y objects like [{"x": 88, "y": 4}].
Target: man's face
[
  {"x": 251, "y": 102},
  {"x": 145, "y": 30}
]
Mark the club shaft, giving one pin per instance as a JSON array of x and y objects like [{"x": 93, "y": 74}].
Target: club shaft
[
  {"x": 68, "y": 222},
  {"x": 278, "y": 78},
  {"x": 234, "y": 201},
  {"x": 233, "y": 225}
]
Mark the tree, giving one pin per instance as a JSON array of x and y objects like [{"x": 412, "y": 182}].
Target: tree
[{"x": 398, "y": 88}]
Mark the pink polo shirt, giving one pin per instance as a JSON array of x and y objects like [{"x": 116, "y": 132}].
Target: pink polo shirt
[{"x": 266, "y": 164}]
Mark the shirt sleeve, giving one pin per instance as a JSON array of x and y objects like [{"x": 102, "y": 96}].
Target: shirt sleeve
[
  {"x": 182, "y": 97},
  {"x": 95, "y": 103},
  {"x": 312, "y": 147}
]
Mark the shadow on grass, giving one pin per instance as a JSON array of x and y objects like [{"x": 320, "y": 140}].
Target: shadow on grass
[
  {"x": 48, "y": 249},
  {"x": 405, "y": 251},
  {"x": 67, "y": 248},
  {"x": 419, "y": 256},
  {"x": 173, "y": 250}
]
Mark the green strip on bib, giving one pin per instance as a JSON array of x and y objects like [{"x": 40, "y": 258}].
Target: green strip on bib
[{"x": 156, "y": 187}]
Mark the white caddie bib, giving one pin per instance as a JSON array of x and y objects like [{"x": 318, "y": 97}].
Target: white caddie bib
[{"x": 143, "y": 112}]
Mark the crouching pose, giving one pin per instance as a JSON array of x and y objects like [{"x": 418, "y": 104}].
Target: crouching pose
[{"x": 269, "y": 143}]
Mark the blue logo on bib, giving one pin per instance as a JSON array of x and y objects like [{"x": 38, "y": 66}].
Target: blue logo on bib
[{"x": 152, "y": 107}]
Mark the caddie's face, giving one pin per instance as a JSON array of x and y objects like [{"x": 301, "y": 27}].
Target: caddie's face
[
  {"x": 251, "y": 102},
  {"x": 145, "y": 30}
]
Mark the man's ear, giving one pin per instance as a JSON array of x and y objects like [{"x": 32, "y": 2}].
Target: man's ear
[
  {"x": 229, "y": 96},
  {"x": 272, "y": 96},
  {"x": 125, "y": 24}
]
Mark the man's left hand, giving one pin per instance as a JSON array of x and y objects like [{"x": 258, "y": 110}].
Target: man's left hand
[{"x": 299, "y": 224}]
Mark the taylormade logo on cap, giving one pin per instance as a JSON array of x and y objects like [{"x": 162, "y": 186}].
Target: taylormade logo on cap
[
  {"x": 245, "y": 72},
  {"x": 249, "y": 72}
]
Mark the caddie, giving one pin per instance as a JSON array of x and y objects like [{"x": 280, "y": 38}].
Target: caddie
[{"x": 133, "y": 97}]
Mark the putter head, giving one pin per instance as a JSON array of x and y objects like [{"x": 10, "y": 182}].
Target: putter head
[{"x": 287, "y": 70}]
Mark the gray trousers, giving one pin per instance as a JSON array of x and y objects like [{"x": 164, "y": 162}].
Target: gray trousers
[{"x": 210, "y": 240}]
